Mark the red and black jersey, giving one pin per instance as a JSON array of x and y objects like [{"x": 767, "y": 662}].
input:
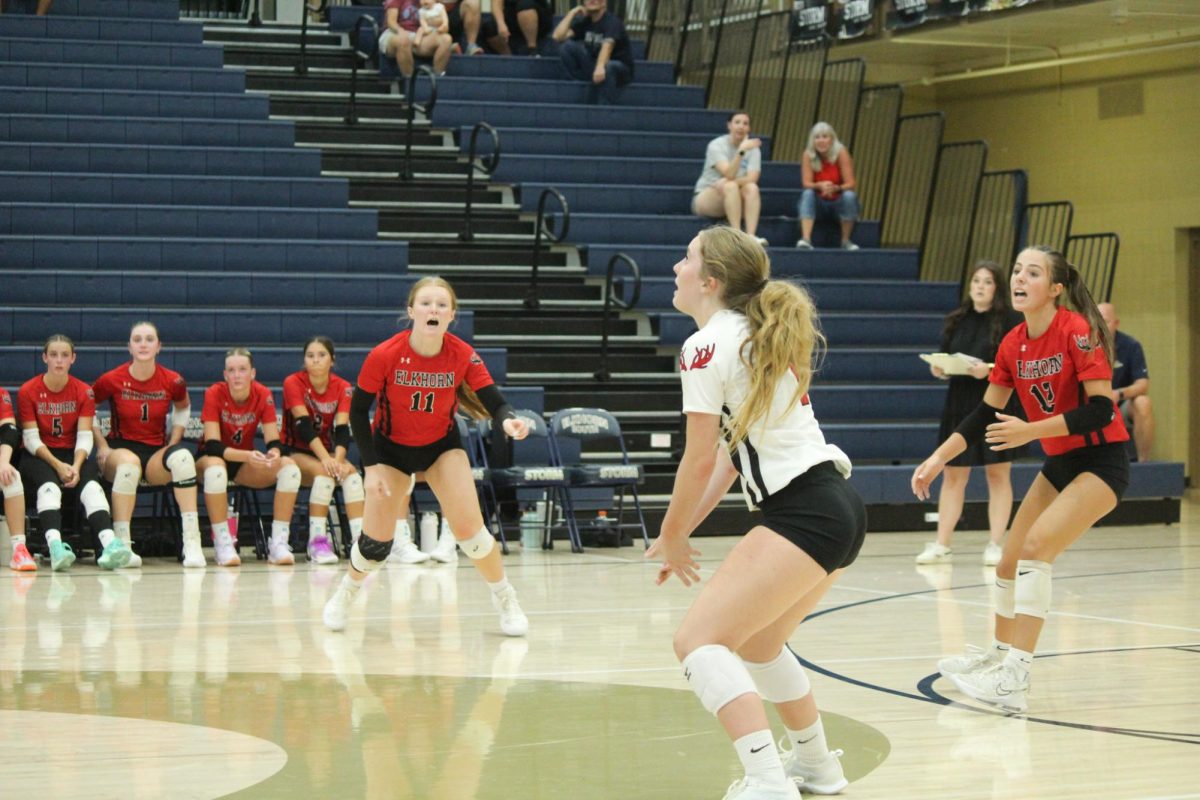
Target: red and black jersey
[
  {"x": 1048, "y": 373},
  {"x": 6, "y": 406},
  {"x": 416, "y": 394},
  {"x": 140, "y": 408},
  {"x": 322, "y": 407},
  {"x": 238, "y": 421},
  {"x": 56, "y": 413}
]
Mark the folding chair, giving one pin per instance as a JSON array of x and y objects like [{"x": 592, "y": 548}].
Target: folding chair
[
  {"x": 534, "y": 469},
  {"x": 473, "y": 433},
  {"x": 592, "y": 425}
]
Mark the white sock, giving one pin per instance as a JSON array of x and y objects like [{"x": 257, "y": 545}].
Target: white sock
[
  {"x": 809, "y": 743},
  {"x": 356, "y": 528},
  {"x": 280, "y": 531},
  {"x": 402, "y": 533},
  {"x": 17, "y": 539},
  {"x": 221, "y": 535},
  {"x": 999, "y": 650},
  {"x": 1020, "y": 660},
  {"x": 121, "y": 529},
  {"x": 191, "y": 521},
  {"x": 318, "y": 528},
  {"x": 499, "y": 586},
  {"x": 106, "y": 536},
  {"x": 760, "y": 758},
  {"x": 352, "y": 586},
  {"x": 53, "y": 535}
]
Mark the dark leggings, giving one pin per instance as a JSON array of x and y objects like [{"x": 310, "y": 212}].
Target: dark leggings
[{"x": 35, "y": 473}]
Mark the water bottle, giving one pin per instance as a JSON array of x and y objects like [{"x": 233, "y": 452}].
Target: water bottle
[
  {"x": 531, "y": 529},
  {"x": 429, "y": 531},
  {"x": 232, "y": 518},
  {"x": 604, "y": 529}
]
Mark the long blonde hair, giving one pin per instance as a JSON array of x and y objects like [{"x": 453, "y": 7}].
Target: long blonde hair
[
  {"x": 785, "y": 334},
  {"x": 810, "y": 150},
  {"x": 467, "y": 399}
]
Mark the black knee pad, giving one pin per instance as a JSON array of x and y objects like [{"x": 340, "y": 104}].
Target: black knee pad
[{"x": 368, "y": 554}]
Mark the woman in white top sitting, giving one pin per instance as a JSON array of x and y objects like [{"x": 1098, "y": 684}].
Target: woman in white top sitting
[{"x": 728, "y": 185}]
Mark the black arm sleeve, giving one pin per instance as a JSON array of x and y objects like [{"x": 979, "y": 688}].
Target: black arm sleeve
[
  {"x": 305, "y": 428},
  {"x": 341, "y": 436},
  {"x": 274, "y": 444},
  {"x": 213, "y": 447},
  {"x": 1094, "y": 415},
  {"x": 360, "y": 425},
  {"x": 495, "y": 403},
  {"x": 975, "y": 425},
  {"x": 10, "y": 436}
]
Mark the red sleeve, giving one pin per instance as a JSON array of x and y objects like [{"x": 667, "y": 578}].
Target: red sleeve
[
  {"x": 101, "y": 389},
  {"x": 86, "y": 400},
  {"x": 1091, "y": 363},
  {"x": 26, "y": 410},
  {"x": 178, "y": 389},
  {"x": 373, "y": 375},
  {"x": 6, "y": 405},
  {"x": 477, "y": 375},
  {"x": 293, "y": 393},
  {"x": 344, "y": 400},
  {"x": 266, "y": 406},
  {"x": 1002, "y": 370},
  {"x": 211, "y": 412}
]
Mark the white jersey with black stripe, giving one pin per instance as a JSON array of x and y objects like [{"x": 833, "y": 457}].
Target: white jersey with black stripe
[{"x": 715, "y": 381}]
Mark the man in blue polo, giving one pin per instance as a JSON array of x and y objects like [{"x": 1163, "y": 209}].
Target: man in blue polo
[{"x": 1131, "y": 383}]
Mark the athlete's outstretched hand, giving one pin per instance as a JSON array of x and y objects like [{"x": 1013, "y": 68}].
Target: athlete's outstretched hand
[
  {"x": 676, "y": 555},
  {"x": 374, "y": 484},
  {"x": 1009, "y": 432},
  {"x": 924, "y": 476},
  {"x": 516, "y": 427}
]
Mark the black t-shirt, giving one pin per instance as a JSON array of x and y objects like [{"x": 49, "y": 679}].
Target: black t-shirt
[
  {"x": 1130, "y": 365},
  {"x": 593, "y": 35}
]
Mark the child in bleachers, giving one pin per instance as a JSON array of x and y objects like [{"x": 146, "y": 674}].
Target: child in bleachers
[
  {"x": 316, "y": 433},
  {"x": 434, "y": 20},
  {"x": 233, "y": 411},
  {"x": 56, "y": 412},
  {"x": 143, "y": 397}
]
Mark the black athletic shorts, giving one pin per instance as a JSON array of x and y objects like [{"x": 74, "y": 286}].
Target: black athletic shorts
[
  {"x": 35, "y": 471},
  {"x": 143, "y": 451},
  {"x": 411, "y": 460},
  {"x": 822, "y": 514},
  {"x": 544, "y": 14},
  {"x": 1108, "y": 462}
]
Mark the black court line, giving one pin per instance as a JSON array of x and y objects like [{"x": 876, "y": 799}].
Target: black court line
[{"x": 929, "y": 695}]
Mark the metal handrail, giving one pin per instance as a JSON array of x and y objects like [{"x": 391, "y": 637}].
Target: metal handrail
[
  {"x": 302, "y": 67},
  {"x": 410, "y": 95},
  {"x": 488, "y": 165},
  {"x": 531, "y": 299},
  {"x": 351, "y": 117},
  {"x": 256, "y": 16},
  {"x": 603, "y": 373}
]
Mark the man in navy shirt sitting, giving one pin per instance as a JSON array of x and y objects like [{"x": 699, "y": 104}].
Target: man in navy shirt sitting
[
  {"x": 1131, "y": 383},
  {"x": 596, "y": 48}
]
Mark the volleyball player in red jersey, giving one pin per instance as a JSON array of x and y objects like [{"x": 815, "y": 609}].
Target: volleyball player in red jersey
[
  {"x": 417, "y": 377},
  {"x": 1059, "y": 363},
  {"x": 233, "y": 410},
  {"x": 316, "y": 433},
  {"x": 143, "y": 396},
  {"x": 56, "y": 412},
  {"x": 11, "y": 486}
]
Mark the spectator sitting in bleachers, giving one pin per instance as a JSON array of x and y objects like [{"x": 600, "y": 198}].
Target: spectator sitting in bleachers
[
  {"x": 399, "y": 38},
  {"x": 530, "y": 18},
  {"x": 468, "y": 23},
  {"x": 43, "y": 7},
  {"x": 728, "y": 184},
  {"x": 827, "y": 172},
  {"x": 1131, "y": 384},
  {"x": 595, "y": 47},
  {"x": 433, "y": 20}
]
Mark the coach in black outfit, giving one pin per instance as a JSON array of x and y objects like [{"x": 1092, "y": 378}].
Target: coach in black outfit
[{"x": 596, "y": 48}]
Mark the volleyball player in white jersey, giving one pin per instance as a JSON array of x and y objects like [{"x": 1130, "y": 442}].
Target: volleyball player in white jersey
[{"x": 745, "y": 375}]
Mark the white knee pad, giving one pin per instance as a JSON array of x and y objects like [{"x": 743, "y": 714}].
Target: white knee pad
[
  {"x": 93, "y": 499},
  {"x": 479, "y": 545},
  {"x": 352, "y": 488},
  {"x": 322, "y": 490},
  {"x": 288, "y": 479},
  {"x": 1033, "y": 588},
  {"x": 216, "y": 480},
  {"x": 1004, "y": 597},
  {"x": 182, "y": 465},
  {"x": 125, "y": 481},
  {"x": 16, "y": 488},
  {"x": 49, "y": 497},
  {"x": 781, "y": 679},
  {"x": 717, "y": 676}
]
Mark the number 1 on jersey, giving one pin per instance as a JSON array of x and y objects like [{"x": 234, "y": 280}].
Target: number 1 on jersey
[{"x": 416, "y": 402}]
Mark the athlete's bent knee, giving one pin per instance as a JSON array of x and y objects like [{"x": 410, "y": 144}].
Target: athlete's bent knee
[
  {"x": 287, "y": 480},
  {"x": 216, "y": 479},
  {"x": 352, "y": 488},
  {"x": 717, "y": 676},
  {"x": 49, "y": 497},
  {"x": 367, "y": 555},
  {"x": 182, "y": 465},
  {"x": 125, "y": 480},
  {"x": 479, "y": 545},
  {"x": 781, "y": 679}
]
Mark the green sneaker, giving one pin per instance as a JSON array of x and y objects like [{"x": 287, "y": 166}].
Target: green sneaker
[
  {"x": 115, "y": 555},
  {"x": 61, "y": 556}
]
